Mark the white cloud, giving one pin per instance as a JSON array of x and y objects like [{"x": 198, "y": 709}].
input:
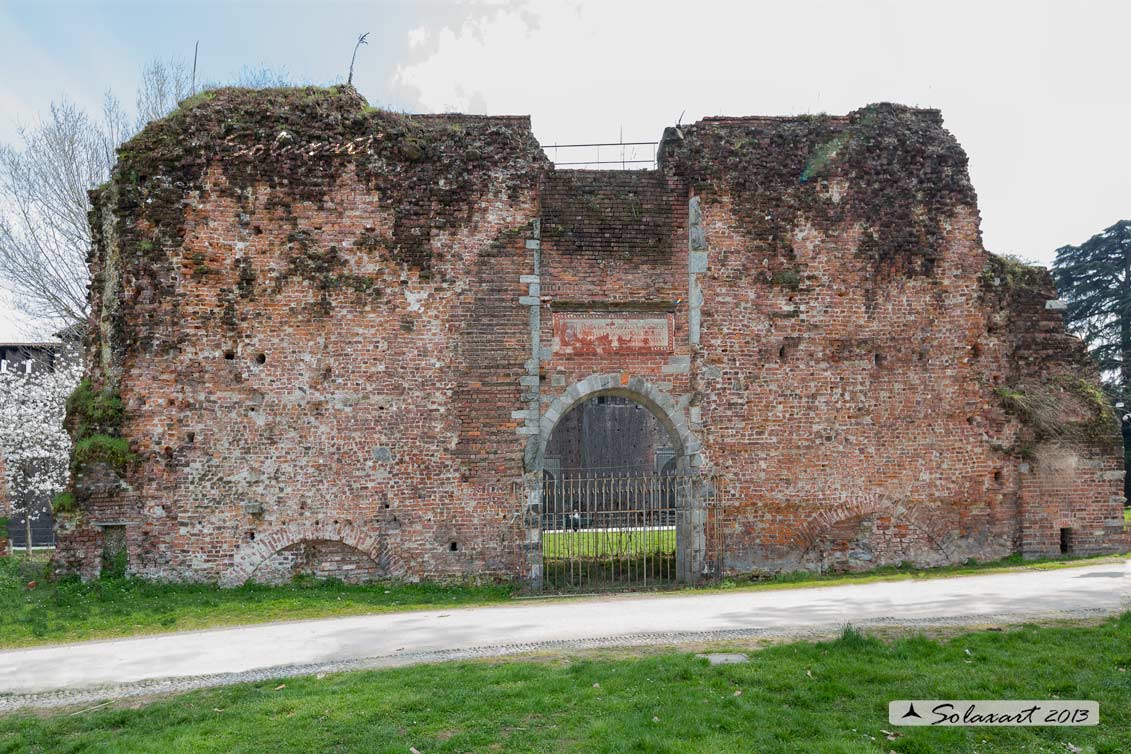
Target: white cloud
[
  {"x": 17, "y": 327},
  {"x": 1034, "y": 91},
  {"x": 418, "y": 37}
]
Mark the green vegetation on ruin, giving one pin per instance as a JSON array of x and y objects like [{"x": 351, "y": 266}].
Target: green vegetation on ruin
[
  {"x": 112, "y": 451},
  {"x": 805, "y": 697},
  {"x": 94, "y": 419},
  {"x": 1011, "y": 271},
  {"x": 91, "y": 411},
  {"x": 64, "y": 502},
  {"x": 1041, "y": 405},
  {"x": 822, "y": 155},
  {"x": 67, "y": 609}
]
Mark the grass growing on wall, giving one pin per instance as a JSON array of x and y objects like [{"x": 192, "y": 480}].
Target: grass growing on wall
[{"x": 805, "y": 698}]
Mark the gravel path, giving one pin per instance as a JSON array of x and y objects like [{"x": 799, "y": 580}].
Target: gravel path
[{"x": 93, "y": 672}]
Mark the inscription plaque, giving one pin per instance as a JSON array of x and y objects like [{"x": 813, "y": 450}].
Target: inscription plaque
[{"x": 612, "y": 332}]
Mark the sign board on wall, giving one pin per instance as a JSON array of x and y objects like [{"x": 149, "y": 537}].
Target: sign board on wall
[{"x": 613, "y": 332}]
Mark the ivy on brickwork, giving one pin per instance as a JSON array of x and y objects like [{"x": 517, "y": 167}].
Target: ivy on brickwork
[
  {"x": 893, "y": 169},
  {"x": 94, "y": 418},
  {"x": 325, "y": 270},
  {"x": 428, "y": 170},
  {"x": 822, "y": 155}
]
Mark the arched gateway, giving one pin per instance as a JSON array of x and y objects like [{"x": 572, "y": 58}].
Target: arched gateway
[
  {"x": 623, "y": 503},
  {"x": 637, "y": 389}
]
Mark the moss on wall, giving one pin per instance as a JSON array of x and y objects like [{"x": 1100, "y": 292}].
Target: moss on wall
[
  {"x": 91, "y": 411},
  {"x": 894, "y": 170},
  {"x": 428, "y": 170},
  {"x": 94, "y": 419}
]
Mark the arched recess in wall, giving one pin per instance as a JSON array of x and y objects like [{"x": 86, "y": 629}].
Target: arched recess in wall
[
  {"x": 251, "y": 555},
  {"x": 869, "y": 531},
  {"x": 319, "y": 559},
  {"x": 636, "y": 389}
]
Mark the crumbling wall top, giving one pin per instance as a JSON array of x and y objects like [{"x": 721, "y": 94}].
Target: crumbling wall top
[{"x": 893, "y": 169}]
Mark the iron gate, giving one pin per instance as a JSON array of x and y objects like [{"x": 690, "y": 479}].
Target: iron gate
[{"x": 627, "y": 531}]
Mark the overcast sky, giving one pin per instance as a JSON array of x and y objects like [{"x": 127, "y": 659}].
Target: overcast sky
[{"x": 1036, "y": 92}]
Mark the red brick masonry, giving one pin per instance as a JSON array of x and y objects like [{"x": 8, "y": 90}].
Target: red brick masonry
[{"x": 320, "y": 319}]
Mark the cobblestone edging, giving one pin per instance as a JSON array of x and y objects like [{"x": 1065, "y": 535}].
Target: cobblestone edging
[{"x": 95, "y": 695}]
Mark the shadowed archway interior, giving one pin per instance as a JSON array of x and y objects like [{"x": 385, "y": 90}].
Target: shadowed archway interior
[{"x": 609, "y": 434}]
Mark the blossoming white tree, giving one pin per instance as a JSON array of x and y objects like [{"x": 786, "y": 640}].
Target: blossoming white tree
[{"x": 35, "y": 445}]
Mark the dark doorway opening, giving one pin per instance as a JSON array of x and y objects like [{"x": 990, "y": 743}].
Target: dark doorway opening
[
  {"x": 1066, "y": 541},
  {"x": 609, "y": 434}
]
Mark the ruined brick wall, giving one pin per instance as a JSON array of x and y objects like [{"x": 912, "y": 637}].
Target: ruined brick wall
[
  {"x": 614, "y": 250},
  {"x": 1064, "y": 432},
  {"x": 860, "y": 413},
  {"x": 304, "y": 305},
  {"x": 341, "y": 336}
]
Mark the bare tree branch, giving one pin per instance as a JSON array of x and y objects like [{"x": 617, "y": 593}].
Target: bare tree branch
[
  {"x": 163, "y": 84},
  {"x": 44, "y": 180},
  {"x": 44, "y": 233}
]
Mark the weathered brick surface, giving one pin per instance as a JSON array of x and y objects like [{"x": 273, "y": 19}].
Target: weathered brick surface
[
  {"x": 319, "y": 318},
  {"x": 856, "y": 339},
  {"x": 320, "y": 559}
]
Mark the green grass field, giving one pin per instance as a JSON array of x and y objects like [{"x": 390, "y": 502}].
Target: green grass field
[
  {"x": 805, "y": 698},
  {"x": 70, "y": 610},
  {"x": 594, "y": 543}
]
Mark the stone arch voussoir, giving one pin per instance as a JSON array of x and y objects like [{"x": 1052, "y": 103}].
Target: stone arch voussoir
[
  {"x": 666, "y": 410},
  {"x": 855, "y": 507},
  {"x": 251, "y": 555}
]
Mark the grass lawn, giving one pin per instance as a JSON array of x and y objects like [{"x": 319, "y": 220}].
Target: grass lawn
[
  {"x": 69, "y": 610},
  {"x": 826, "y": 698},
  {"x": 595, "y": 543}
]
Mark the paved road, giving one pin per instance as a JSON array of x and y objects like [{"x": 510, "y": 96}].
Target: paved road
[{"x": 77, "y": 673}]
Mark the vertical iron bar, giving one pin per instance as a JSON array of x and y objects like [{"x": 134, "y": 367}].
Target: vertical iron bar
[
  {"x": 568, "y": 534},
  {"x": 616, "y": 556},
  {"x": 632, "y": 533}
]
